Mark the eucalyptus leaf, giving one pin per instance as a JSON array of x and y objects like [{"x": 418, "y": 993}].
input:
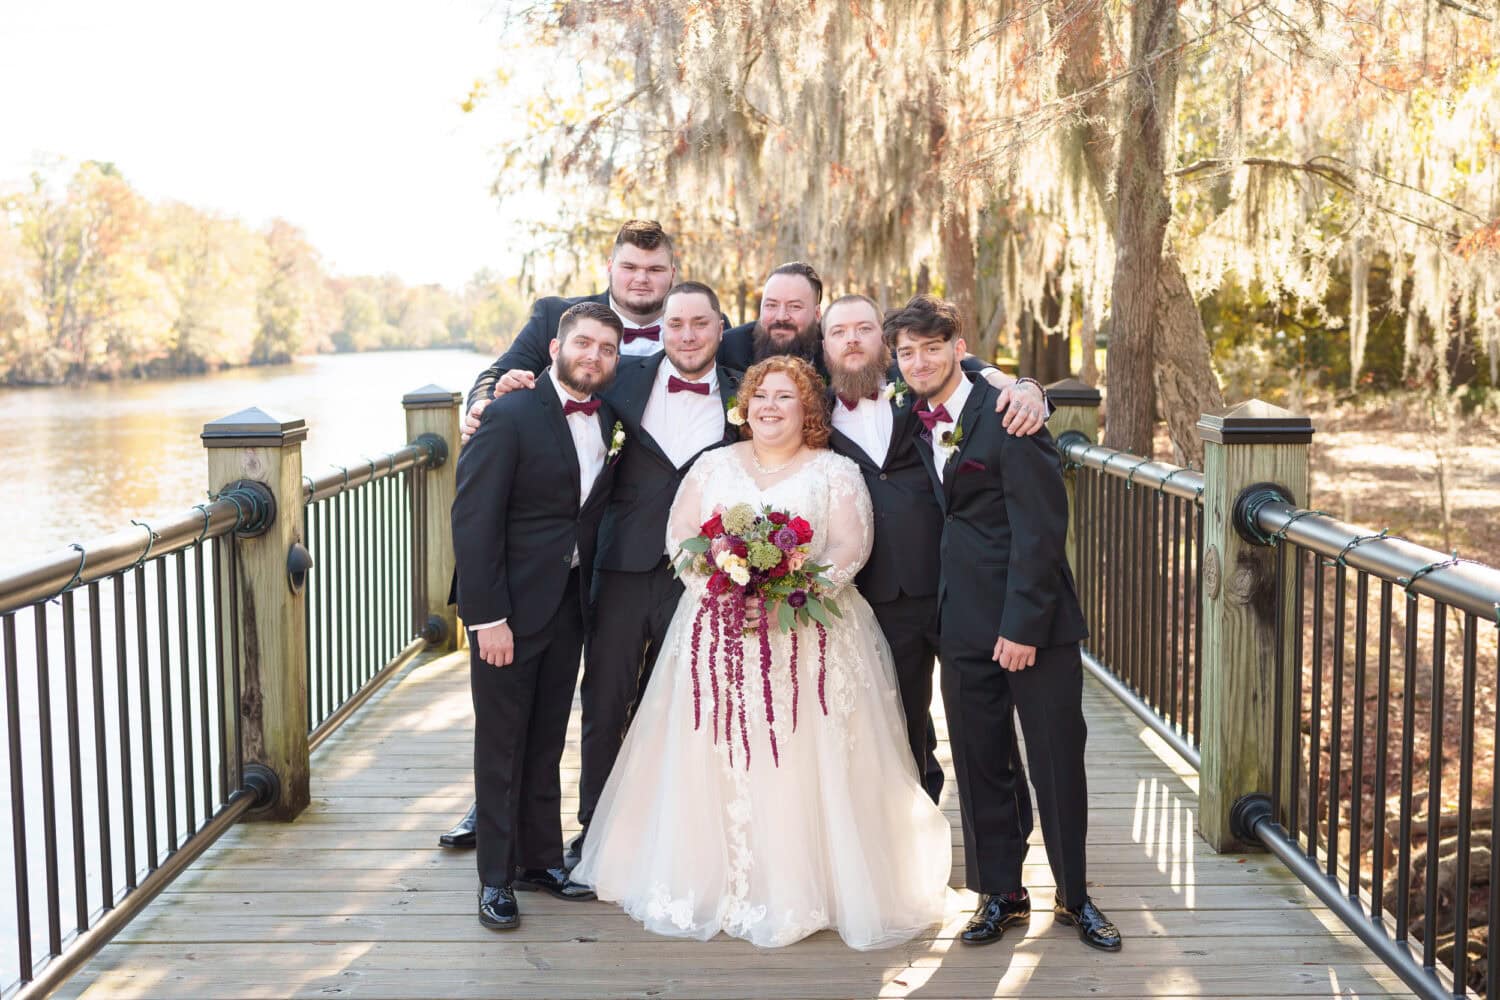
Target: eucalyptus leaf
[{"x": 696, "y": 544}]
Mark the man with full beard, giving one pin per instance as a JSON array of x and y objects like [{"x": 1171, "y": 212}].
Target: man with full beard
[{"x": 874, "y": 425}]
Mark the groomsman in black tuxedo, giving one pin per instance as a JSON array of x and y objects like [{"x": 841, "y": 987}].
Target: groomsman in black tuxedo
[
  {"x": 875, "y": 425},
  {"x": 674, "y": 407},
  {"x": 532, "y": 488},
  {"x": 1009, "y": 626},
  {"x": 640, "y": 269}
]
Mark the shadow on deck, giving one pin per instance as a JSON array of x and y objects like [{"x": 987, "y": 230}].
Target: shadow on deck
[{"x": 355, "y": 899}]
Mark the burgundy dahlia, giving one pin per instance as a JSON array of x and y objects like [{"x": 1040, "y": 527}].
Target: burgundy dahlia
[{"x": 797, "y": 598}]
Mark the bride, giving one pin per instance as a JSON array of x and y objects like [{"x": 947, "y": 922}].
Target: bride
[{"x": 690, "y": 836}]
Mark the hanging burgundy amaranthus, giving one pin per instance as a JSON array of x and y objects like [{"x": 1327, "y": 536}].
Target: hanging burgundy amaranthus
[{"x": 763, "y": 556}]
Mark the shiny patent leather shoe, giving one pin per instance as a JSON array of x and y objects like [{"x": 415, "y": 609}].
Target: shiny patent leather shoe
[
  {"x": 1093, "y": 926},
  {"x": 462, "y": 835},
  {"x": 551, "y": 880},
  {"x": 497, "y": 908},
  {"x": 996, "y": 912}
]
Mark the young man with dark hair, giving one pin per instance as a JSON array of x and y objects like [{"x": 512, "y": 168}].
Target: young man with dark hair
[
  {"x": 1009, "y": 627},
  {"x": 532, "y": 488}
]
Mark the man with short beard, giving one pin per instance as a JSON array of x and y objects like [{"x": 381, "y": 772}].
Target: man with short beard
[
  {"x": 532, "y": 488},
  {"x": 876, "y": 427}
]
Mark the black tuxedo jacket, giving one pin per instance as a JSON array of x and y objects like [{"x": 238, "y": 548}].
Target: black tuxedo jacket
[
  {"x": 517, "y": 515},
  {"x": 1004, "y": 559},
  {"x": 908, "y": 519},
  {"x": 529, "y": 351},
  {"x": 633, "y": 535}
]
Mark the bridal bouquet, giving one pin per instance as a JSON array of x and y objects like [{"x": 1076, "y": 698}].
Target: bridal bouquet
[{"x": 763, "y": 556}]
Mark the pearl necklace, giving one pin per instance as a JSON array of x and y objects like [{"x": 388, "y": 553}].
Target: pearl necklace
[{"x": 772, "y": 470}]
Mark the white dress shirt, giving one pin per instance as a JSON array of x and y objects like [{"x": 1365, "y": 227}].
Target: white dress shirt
[
  {"x": 868, "y": 425},
  {"x": 588, "y": 442},
  {"x": 640, "y": 347},
  {"x": 683, "y": 422},
  {"x": 954, "y": 404}
]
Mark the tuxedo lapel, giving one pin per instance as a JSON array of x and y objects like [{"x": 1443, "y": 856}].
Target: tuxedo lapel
[
  {"x": 552, "y": 415},
  {"x": 635, "y": 399},
  {"x": 729, "y": 389},
  {"x": 968, "y": 421},
  {"x": 903, "y": 425}
]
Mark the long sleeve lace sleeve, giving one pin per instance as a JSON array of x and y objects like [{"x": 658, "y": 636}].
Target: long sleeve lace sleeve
[
  {"x": 687, "y": 514},
  {"x": 851, "y": 530}
]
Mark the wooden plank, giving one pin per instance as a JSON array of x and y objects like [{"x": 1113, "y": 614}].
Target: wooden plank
[{"x": 355, "y": 898}]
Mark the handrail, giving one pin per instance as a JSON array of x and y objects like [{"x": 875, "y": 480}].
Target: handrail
[
  {"x": 70, "y": 568},
  {"x": 1144, "y": 472},
  {"x": 1464, "y": 584},
  {"x": 369, "y": 470}
]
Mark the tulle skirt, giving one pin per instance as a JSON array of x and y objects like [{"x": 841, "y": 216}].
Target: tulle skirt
[{"x": 834, "y": 831}]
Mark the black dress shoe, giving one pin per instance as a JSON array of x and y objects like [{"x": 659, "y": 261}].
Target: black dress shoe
[
  {"x": 1093, "y": 926},
  {"x": 462, "y": 835},
  {"x": 553, "y": 880},
  {"x": 996, "y": 912},
  {"x": 497, "y": 908}
]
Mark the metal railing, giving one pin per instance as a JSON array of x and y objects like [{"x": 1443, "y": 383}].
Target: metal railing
[
  {"x": 1138, "y": 536},
  {"x": 149, "y": 771},
  {"x": 1364, "y": 800},
  {"x": 363, "y": 611},
  {"x": 125, "y": 754}
]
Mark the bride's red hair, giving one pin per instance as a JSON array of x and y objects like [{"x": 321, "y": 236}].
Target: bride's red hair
[{"x": 810, "y": 393}]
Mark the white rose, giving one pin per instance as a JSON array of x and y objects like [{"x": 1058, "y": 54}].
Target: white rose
[{"x": 740, "y": 574}]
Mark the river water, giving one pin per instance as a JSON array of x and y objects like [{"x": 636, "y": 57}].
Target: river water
[{"x": 78, "y": 463}]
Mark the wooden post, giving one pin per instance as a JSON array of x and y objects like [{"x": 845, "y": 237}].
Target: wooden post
[
  {"x": 1245, "y": 445},
  {"x": 1077, "y": 410},
  {"x": 435, "y": 411},
  {"x": 272, "y": 620}
]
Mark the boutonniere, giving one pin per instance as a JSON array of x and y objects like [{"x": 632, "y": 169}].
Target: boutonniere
[
  {"x": 732, "y": 411},
  {"x": 946, "y": 444},
  {"x": 616, "y": 442},
  {"x": 896, "y": 392}
]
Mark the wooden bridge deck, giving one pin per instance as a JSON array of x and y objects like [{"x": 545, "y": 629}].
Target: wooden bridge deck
[{"x": 355, "y": 899}]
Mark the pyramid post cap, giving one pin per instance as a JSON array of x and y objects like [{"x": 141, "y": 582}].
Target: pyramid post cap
[
  {"x": 253, "y": 427},
  {"x": 1072, "y": 392},
  {"x": 1254, "y": 422},
  {"x": 431, "y": 397}
]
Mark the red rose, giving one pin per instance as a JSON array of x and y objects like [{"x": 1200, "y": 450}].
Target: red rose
[
  {"x": 777, "y": 517},
  {"x": 713, "y": 527},
  {"x": 779, "y": 570},
  {"x": 719, "y": 583},
  {"x": 739, "y": 548},
  {"x": 803, "y": 529}
]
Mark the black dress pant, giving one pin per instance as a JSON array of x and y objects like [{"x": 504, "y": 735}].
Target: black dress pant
[
  {"x": 631, "y": 612},
  {"x": 910, "y": 628},
  {"x": 979, "y": 696},
  {"x": 520, "y": 723}
]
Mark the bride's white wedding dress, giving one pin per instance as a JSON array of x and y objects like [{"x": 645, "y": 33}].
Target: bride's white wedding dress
[{"x": 839, "y": 834}]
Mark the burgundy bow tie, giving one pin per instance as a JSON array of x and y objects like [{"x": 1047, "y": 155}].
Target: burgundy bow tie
[
  {"x": 675, "y": 384},
  {"x": 931, "y": 418},
  {"x": 645, "y": 333},
  {"x": 588, "y": 408},
  {"x": 850, "y": 404}
]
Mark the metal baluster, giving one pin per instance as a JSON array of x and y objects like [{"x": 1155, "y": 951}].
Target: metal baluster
[
  {"x": 1435, "y": 780},
  {"x": 310, "y": 675},
  {"x": 17, "y": 800},
  {"x": 1492, "y": 953},
  {"x": 75, "y": 762},
  {"x": 1278, "y": 696},
  {"x": 346, "y": 577},
  {"x": 1159, "y": 613},
  {"x": 234, "y": 660},
  {"x": 1408, "y": 751},
  {"x": 1461, "y": 882},
  {"x": 1315, "y": 736},
  {"x": 1336, "y": 713},
  {"x": 169, "y": 754},
  {"x": 1116, "y": 581},
  {"x": 48, "y": 779},
  {"x": 1357, "y": 763},
  {"x": 1197, "y": 623},
  {"x": 205, "y": 740},
  {"x": 1382, "y": 758},
  {"x": 122, "y": 717},
  {"x": 1299, "y": 611},
  {"x": 222, "y": 567},
  {"x": 148, "y": 755},
  {"x": 101, "y": 756},
  {"x": 1177, "y": 696},
  {"x": 185, "y": 678}
]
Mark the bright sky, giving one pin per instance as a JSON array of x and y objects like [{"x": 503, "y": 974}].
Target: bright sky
[{"x": 340, "y": 116}]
